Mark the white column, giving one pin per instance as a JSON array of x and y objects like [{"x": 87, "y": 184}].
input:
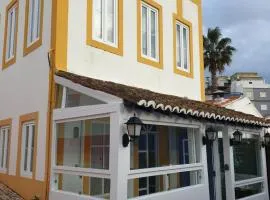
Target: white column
[
  {"x": 204, "y": 161},
  {"x": 119, "y": 159},
  {"x": 264, "y": 168},
  {"x": 228, "y": 159}
]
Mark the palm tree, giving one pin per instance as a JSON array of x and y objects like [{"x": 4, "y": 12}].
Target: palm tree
[{"x": 217, "y": 53}]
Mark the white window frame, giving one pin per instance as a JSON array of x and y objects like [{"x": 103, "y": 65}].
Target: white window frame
[
  {"x": 30, "y": 152},
  {"x": 264, "y": 107},
  {"x": 178, "y": 57},
  {"x": 4, "y": 139},
  {"x": 150, "y": 9},
  {"x": 103, "y": 24},
  {"x": 11, "y": 32},
  {"x": 263, "y": 94},
  {"x": 34, "y": 21}
]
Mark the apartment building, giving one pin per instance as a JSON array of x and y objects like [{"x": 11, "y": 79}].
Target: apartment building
[
  {"x": 104, "y": 99},
  {"x": 254, "y": 87}
]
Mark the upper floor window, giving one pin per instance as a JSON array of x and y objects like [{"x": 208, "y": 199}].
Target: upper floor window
[
  {"x": 33, "y": 25},
  {"x": 263, "y": 94},
  {"x": 28, "y": 143},
  {"x": 182, "y": 46},
  {"x": 4, "y": 137},
  {"x": 105, "y": 21},
  {"x": 264, "y": 107},
  {"x": 10, "y": 33},
  {"x": 105, "y": 25},
  {"x": 149, "y": 32}
]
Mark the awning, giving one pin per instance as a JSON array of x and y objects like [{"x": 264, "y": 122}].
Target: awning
[{"x": 165, "y": 103}]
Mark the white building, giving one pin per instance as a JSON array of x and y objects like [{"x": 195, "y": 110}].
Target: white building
[{"x": 74, "y": 72}]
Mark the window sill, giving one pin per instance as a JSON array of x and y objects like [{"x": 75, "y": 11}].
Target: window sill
[
  {"x": 28, "y": 49},
  {"x": 151, "y": 62},
  {"x": 184, "y": 73},
  {"x": 27, "y": 175},
  {"x": 106, "y": 47},
  {"x": 7, "y": 63}
]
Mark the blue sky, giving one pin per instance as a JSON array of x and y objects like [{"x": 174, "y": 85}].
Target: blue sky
[{"x": 247, "y": 22}]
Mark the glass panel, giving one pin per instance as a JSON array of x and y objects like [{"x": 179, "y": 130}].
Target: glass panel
[
  {"x": 90, "y": 186},
  {"x": 11, "y": 32},
  {"x": 247, "y": 159},
  {"x": 155, "y": 184},
  {"x": 185, "y": 43},
  {"x": 26, "y": 136},
  {"x": 97, "y": 18},
  {"x": 32, "y": 148},
  {"x": 110, "y": 20},
  {"x": 153, "y": 34},
  {"x": 144, "y": 31},
  {"x": 75, "y": 99},
  {"x": 84, "y": 143},
  {"x": 178, "y": 45},
  {"x": 3, "y": 137},
  {"x": 248, "y": 190},
  {"x": 163, "y": 146}
]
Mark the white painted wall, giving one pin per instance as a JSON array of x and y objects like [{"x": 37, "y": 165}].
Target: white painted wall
[
  {"x": 96, "y": 63},
  {"x": 244, "y": 105},
  {"x": 24, "y": 85},
  {"x": 238, "y": 86}
]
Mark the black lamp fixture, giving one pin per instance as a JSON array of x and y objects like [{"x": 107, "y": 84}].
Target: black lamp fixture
[
  {"x": 266, "y": 141},
  {"x": 210, "y": 135},
  {"x": 237, "y": 138},
  {"x": 134, "y": 128}
]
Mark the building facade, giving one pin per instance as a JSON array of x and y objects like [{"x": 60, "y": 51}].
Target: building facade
[
  {"x": 74, "y": 72},
  {"x": 254, "y": 87}
]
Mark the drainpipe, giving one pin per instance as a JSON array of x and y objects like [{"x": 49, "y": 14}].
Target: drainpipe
[{"x": 51, "y": 101}]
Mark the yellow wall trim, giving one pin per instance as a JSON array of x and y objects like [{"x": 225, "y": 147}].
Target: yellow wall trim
[
  {"x": 94, "y": 43},
  {"x": 201, "y": 50},
  {"x": 7, "y": 122},
  {"x": 60, "y": 33},
  {"x": 140, "y": 58},
  {"x": 27, "y": 118},
  {"x": 5, "y": 63},
  {"x": 28, "y": 49}
]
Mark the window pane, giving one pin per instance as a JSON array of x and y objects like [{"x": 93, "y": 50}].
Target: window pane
[
  {"x": 178, "y": 45},
  {"x": 248, "y": 190},
  {"x": 144, "y": 31},
  {"x": 26, "y": 136},
  {"x": 167, "y": 182},
  {"x": 97, "y": 17},
  {"x": 90, "y": 186},
  {"x": 247, "y": 158},
  {"x": 110, "y": 21},
  {"x": 163, "y": 146},
  {"x": 84, "y": 143},
  {"x": 11, "y": 29},
  {"x": 3, "y": 137},
  {"x": 32, "y": 148},
  {"x": 185, "y": 43},
  {"x": 153, "y": 34}
]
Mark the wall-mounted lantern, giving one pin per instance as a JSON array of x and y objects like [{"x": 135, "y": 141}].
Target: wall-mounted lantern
[
  {"x": 237, "y": 138},
  {"x": 134, "y": 128},
  {"x": 210, "y": 135},
  {"x": 266, "y": 141}
]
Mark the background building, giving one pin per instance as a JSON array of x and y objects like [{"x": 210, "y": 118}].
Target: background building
[{"x": 253, "y": 86}]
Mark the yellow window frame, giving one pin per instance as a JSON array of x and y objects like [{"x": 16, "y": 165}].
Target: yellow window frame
[
  {"x": 28, "y": 49},
  {"x": 100, "y": 45}
]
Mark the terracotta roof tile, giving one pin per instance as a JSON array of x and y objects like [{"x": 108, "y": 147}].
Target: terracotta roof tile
[{"x": 162, "y": 102}]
